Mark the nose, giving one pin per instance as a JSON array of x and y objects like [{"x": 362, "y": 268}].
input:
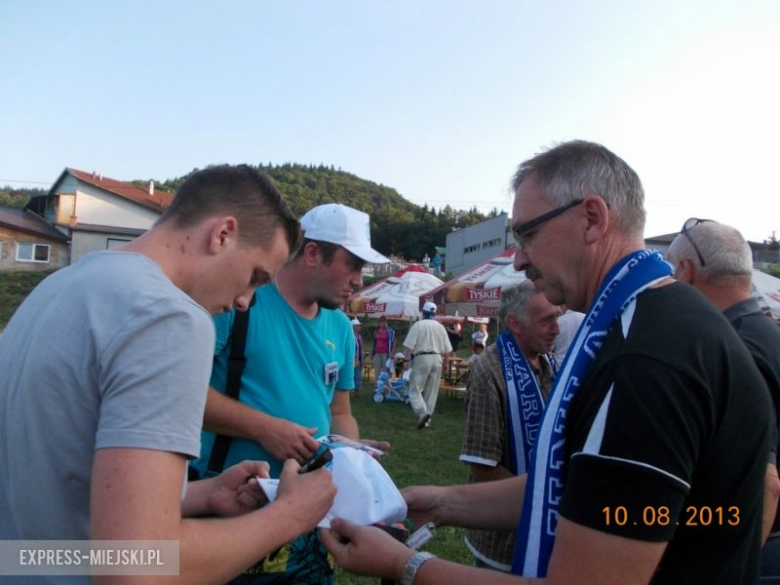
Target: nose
[
  {"x": 242, "y": 301},
  {"x": 521, "y": 260}
]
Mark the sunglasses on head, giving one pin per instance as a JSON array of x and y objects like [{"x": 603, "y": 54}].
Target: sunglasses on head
[{"x": 689, "y": 225}]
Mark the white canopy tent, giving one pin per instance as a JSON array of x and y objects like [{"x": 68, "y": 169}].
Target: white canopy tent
[
  {"x": 476, "y": 292},
  {"x": 395, "y": 297},
  {"x": 767, "y": 289}
]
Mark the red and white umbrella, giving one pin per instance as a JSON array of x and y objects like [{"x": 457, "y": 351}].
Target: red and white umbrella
[
  {"x": 395, "y": 297},
  {"x": 476, "y": 292}
]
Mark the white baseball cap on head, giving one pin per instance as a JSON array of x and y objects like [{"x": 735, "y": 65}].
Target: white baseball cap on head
[
  {"x": 429, "y": 307},
  {"x": 344, "y": 226},
  {"x": 355, "y": 321}
]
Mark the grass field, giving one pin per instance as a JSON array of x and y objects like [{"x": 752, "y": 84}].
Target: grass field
[
  {"x": 14, "y": 287},
  {"x": 417, "y": 457}
]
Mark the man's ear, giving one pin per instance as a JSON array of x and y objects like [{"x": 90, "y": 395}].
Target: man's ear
[
  {"x": 311, "y": 253},
  {"x": 687, "y": 272},
  {"x": 596, "y": 215},
  {"x": 513, "y": 324},
  {"x": 223, "y": 234}
]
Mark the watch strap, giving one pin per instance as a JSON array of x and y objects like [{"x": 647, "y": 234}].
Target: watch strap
[{"x": 414, "y": 564}]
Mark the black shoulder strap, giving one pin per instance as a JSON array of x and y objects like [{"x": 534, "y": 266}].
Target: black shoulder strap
[{"x": 235, "y": 370}]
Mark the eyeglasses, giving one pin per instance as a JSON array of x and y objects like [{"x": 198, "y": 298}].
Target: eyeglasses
[
  {"x": 689, "y": 225},
  {"x": 519, "y": 230}
]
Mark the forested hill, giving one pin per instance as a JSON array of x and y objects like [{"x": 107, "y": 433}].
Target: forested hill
[{"x": 398, "y": 226}]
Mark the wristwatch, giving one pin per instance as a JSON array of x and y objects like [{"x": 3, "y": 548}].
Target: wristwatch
[{"x": 411, "y": 568}]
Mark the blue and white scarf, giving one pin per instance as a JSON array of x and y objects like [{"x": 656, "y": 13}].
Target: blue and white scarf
[
  {"x": 525, "y": 403},
  {"x": 538, "y": 520}
]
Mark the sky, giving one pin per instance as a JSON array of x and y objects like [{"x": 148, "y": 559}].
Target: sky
[{"x": 439, "y": 99}]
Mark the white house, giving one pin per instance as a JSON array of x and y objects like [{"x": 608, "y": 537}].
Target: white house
[{"x": 99, "y": 213}]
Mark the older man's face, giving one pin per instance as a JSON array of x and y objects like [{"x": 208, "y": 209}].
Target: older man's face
[
  {"x": 538, "y": 336},
  {"x": 544, "y": 250}
]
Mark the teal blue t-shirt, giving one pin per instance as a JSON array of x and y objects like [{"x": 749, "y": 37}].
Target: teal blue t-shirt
[{"x": 287, "y": 360}]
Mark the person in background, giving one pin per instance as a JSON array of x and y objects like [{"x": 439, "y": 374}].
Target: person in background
[
  {"x": 500, "y": 427},
  {"x": 568, "y": 323},
  {"x": 303, "y": 391},
  {"x": 437, "y": 264},
  {"x": 383, "y": 346},
  {"x": 658, "y": 419},
  {"x": 480, "y": 335},
  {"x": 455, "y": 334},
  {"x": 427, "y": 343},
  {"x": 358, "y": 354},
  {"x": 478, "y": 349},
  {"x": 715, "y": 259},
  {"x": 116, "y": 406}
]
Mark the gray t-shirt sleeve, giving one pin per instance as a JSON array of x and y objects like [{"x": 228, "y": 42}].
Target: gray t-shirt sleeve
[{"x": 153, "y": 376}]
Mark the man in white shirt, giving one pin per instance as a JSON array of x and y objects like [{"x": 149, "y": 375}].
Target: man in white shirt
[{"x": 426, "y": 342}]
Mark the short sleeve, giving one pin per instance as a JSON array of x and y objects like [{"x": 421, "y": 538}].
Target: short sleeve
[
  {"x": 483, "y": 438},
  {"x": 642, "y": 454},
  {"x": 153, "y": 378}
]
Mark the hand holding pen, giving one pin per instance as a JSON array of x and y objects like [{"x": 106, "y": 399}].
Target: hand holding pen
[{"x": 316, "y": 462}]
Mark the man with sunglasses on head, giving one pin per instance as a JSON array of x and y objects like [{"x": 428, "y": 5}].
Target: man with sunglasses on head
[
  {"x": 650, "y": 462},
  {"x": 715, "y": 259},
  {"x": 299, "y": 352}
]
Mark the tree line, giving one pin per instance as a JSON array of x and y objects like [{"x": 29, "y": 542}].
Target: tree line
[{"x": 398, "y": 226}]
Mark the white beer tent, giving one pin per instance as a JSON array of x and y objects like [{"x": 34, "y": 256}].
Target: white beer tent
[
  {"x": 395, "y": 297},
  {"x": 476, "y": 292},
  {"x": 767, "y": 289}
]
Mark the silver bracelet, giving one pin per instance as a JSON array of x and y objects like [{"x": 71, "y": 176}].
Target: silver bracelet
[{"x": 411, "y": 568}]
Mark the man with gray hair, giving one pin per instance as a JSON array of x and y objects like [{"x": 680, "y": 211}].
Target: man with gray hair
[
  {"x": 716, "y": 259},
  {"x": 508, "y": 386},
  {"x": 651, "y": 457}
]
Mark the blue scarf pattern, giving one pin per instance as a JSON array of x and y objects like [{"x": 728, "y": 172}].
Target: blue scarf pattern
[
  {"x": 524, "y": 401},
  {"x": 544, "y": 488}
]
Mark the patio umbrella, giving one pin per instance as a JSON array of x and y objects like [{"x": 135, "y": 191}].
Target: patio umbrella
[
  {"x": 476, "y": 292},
  {"x": 767, "y": 289},
  {"x": 395, "y": 297}
]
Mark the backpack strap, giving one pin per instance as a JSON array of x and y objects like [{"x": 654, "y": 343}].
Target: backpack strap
[{"x": 235, "y": 369}]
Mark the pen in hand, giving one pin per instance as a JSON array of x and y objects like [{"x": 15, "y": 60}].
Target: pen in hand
[{"x": 317, "y": 462}]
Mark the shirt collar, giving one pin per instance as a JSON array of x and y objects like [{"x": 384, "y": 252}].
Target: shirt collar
[{"x": 741, "y": 309}]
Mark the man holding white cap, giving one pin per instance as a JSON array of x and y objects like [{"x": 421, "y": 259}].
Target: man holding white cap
[
  {"x": 426, "y": 343},
  {"x": 300, "y": 352}
]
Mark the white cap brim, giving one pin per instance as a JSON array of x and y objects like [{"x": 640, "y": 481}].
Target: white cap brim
[{"x": 367, "y": 254}]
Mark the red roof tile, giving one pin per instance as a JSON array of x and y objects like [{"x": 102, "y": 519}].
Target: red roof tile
[{"x": 159, "y": 201}]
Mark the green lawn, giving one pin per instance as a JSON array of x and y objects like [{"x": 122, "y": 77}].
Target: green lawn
[
  {"x": 417, "y": 457},
  {"x": 14, "y": 287}
]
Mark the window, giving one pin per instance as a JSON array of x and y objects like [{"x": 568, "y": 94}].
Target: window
[{"x": 32, "y": 252}]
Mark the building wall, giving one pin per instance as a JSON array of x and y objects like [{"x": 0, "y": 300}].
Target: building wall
[
  {"x": 82, "y": 243},
  {"x": 58, "y": 252},
  {"x": 97, "y": 207},
  {"x": 475, "y": 244}
]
